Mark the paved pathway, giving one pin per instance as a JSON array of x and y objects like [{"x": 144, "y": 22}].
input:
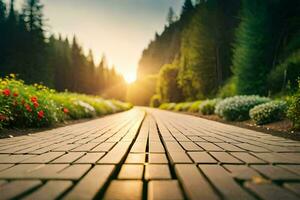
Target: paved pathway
[{"x": 149, "y": 155}]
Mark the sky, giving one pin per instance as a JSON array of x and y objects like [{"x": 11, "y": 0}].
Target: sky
[{"x": 120, "y": 29}]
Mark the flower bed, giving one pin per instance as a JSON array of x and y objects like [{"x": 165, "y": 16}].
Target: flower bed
[{"x": 30, "y": 106}]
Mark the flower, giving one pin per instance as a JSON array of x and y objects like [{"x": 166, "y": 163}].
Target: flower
[
  {"x": 41, "y": 114},
  {"x": 35, "y": 104},
  {"x": 33, "y": 99},
  {"x": 28, "y": 108},
  {"x": 65, "y": 110},
  {"x": 6, "y": 92},
  {"x": 16, "y": 94}
]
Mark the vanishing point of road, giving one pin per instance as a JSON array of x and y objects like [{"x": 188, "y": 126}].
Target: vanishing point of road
[{"x": 149, "y": 154}]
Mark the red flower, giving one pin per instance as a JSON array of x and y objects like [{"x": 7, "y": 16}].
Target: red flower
[
  {"x": 28, "y": 108},
  {"x": 6, "y": 92},
  {"x": 40, "y": 114},
  {"x": 66, "y": 110},
  {"x": 33, "y": 99},
  {"x": 35, "y": 104},
  {"x": 16, "y": 94}
]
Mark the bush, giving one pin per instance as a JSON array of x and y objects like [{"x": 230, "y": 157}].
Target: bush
[
  {"x": 155, "y": 101},
  {"x": 194, "y": 106},
  {"x": 30, "y": 106},
  {"x": 182, "y": 106},
  {"x": 207, "y": 107},
  {"x": 237, "y": 108},
  {"x": 167, "y": 106},
  {"x": 268, "y": 112},
  {"x": 228, "y": 90},
  {"x": 294, "y": 110}
]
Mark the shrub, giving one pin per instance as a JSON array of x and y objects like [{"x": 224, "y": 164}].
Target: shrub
[
  {"x": 207, "y": 107},
  {"x": 294, "y": 110},
  {"x": 228, "y": 90},
  {"x": 182, "y": 106},
  {"x": 237, "y": 108},
  {"x": 168, "y": 106},
  {"x": 268, "y": 112},
  {"x": 194, "y": 106},
  {"x": 155, "y": 101},
  {"x": 30, "y": 106}
]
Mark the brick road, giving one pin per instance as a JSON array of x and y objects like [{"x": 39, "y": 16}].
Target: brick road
[{"x": 149, "y": 154}]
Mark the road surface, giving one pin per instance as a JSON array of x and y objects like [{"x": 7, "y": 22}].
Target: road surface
[{"x": 149, "y": 154}]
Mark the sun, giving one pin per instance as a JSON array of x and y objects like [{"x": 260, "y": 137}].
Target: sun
[{"x": 130, "y": 78}]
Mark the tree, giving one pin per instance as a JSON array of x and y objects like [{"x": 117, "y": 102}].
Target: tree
[
  {"x": 2, "y": 12},
  {"x": 254, "y": 46},
  {"x": 171, "y": 16},
  {"x": 168, "y": 88},
  {"x": 206, "y": 48},
  {"x": 187, "y": 7}
]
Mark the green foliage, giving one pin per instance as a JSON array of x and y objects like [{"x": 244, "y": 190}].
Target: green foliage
[
  {"x": 155, "y": 101},
  {"x": 29, "y": 106},
  {"x": 284, "y": 76},
  {"x": 27, "y": 51},
  {"x": 205, "y": 50},
  {"x": 162, "y": 50},
  {"x": 228, "y": 90},
  {"x": 207, "y": 107},
  {"x": 265, "y": 29},
  {"x": 194, "y": 106},
  {"x": 268, "y": 112},
  {"x": 167, "y": 106},
  {"x": 250, "y": 60},
  {"x": 237, "y": 108},
  {"x": 185, "y": 106},
  {"x": 294, "y": 109},
  {"x": 167, "y": 86}
]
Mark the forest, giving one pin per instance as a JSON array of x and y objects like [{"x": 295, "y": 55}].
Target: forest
[
  {"x": 222, "y": 48},
  {"x": 212, "y": 48},
  {"x": 26, "y": 49}
]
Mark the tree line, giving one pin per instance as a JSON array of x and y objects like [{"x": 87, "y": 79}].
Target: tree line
[
  {"x": 224, "y": 48},
  {"x": 54, "y": 61}
]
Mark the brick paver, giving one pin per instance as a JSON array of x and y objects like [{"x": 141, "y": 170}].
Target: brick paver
[{"x": 149, "y": 154}]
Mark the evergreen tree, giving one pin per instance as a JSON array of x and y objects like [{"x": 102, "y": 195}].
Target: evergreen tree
[
  {"x": 205, "y": 50},
  {"x": 2, "y": 12},
  {"x": 171, "y": 16},
  {"x": 253, "y": 49},
  {"x": 187, "y": 7}
]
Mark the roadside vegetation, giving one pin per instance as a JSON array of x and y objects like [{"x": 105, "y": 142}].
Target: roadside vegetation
[
  {"x": 34, "y": 106},
  {"x": 236, "y": 59},
  {"x": 261, "y": 110}
]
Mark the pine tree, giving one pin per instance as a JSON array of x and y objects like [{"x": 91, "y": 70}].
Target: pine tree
[
  {"x": 171, "y": 16},
  {"x": 252, "y": 59},
  {"x": 187, "y": 7},
  {"x": 2, "y": 12}
]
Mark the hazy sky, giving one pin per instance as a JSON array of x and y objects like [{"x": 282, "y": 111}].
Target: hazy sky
[{"x": 119, "y": 28}]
